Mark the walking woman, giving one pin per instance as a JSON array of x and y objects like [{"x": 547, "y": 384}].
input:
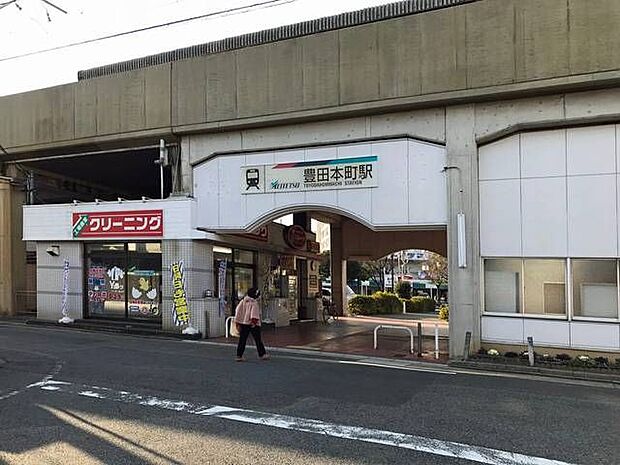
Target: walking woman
[{"x": 247, "y": 319}]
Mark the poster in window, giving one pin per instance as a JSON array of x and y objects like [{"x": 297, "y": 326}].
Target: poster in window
[{"x": 143, "y": 293}]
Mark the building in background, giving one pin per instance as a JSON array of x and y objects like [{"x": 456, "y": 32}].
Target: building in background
[{"x": 484, "y": 132}]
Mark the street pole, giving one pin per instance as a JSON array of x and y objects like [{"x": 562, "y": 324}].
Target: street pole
[
  {"x": 162, "y": 161},
  {"x": 392, "y": 263}
]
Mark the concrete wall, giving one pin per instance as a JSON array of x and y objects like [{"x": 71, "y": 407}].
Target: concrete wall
[
  {"x": 50, "y": 281},
  {"x": 6, "y": 242},
  {"x": 198, "y": 273},
  {"x": 466, "y": 53}
]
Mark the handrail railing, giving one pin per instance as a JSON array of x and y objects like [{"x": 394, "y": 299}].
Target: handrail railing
[
  {"x": 404, "y": 328},
  {"x": 230, "y": 318}
]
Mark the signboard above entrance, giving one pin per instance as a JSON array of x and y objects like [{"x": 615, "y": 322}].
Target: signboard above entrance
[
  {"x": 340, "y": 173},
  {"x": 137, "y": 223}
]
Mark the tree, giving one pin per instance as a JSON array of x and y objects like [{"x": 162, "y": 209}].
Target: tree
[
  {"x": 437, "y": 269},
  {"x": 374, "y": 270},
  {"x": 403, "y": 289},
  {"x": 325, "y": 266}
]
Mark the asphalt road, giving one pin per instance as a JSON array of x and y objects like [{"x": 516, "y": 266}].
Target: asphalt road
[{"x": 72, "y": 397}]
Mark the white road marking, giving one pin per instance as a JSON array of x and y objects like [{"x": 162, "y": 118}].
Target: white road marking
[
  {"x": 374, "y": 436},
  {"x": 45, "y": 380},
  {"x": 398, "y": 367}
]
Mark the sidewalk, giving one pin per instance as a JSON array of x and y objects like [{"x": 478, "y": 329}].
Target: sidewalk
[{"x": 354, "y": 335}]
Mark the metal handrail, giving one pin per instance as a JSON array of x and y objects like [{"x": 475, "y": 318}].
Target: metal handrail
[
  {"x": 404, "y": 328},
  {"x": 227, "y": 326}
]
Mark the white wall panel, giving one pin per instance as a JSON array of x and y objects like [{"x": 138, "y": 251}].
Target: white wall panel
[
  {"x": 595, "y": 335},
  {"x": 321, "y": 197},
  {"x": 506, "y": 330},
  {"x": 360, "y": 200},
  {"x": 425, "y": 162},
  {"x": 232, "y": 204},
  {"x": 280, "y": 157},
  {"x": 543, "y": 208},
  {"x": 500, "y": 218},
  {"x": 552, "y": 332},
  {"x": 592, "y": 222},
  {"x": 261, "y": 204},
  {"x": 383, "y": 206},
  {"x": 543, "y": 153},
  {"x": 54, "y": 222},
  {"x": 499, "y": 160},
  {"x": 591, "y": 150},
  {"x": 210, "y": 180}
]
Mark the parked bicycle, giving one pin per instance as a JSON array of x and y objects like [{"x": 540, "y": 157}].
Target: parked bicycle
[{"x": 330, "y": 313}]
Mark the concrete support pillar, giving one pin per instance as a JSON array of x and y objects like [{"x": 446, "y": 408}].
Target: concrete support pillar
[
  {"x": 198, "y": 273},
  {"x": 338, "y": 268},
  {"x": 6, "y": 255},
  {"x": 186, "y": 171},
  {"x": 303, "y": 220},
  {"x": 462, "y": 197}
]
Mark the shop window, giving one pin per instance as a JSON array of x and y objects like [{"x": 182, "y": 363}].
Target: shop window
[
  {"x": 244, "y": 280},
  {"x": 124, "y": 280},
  {"x": 245, "y": 257},
  {"x": 595, "y": 288},
  {"x": 144, "y": 281},
  {"x": 106, "y": 280},
  {"x": 502, "y": 285},
  {"x": 545, "y": 287}
]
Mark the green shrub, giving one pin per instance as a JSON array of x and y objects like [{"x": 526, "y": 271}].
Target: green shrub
[
  {"x": 403, "y": 289},
  {"x": 387, "y": 303},
  {"x": 444, "y": 313},
  {"x": 363, "y": 305},
  {"x": 422, "y": 305}
]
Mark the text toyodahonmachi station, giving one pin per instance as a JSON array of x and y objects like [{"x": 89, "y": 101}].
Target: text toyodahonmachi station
[{"x": 484, "y": 130}]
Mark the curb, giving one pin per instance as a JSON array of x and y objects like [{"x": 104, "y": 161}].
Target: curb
[
  {"x": 332, "y": 355},
  {"x": 106, "y": 329},
  {"x": 580, "y": 375}
]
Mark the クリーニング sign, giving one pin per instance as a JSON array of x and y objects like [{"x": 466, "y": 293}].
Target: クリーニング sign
[
  {"x": 340, "y": 173},
  {"x": 138, "y": 223}
]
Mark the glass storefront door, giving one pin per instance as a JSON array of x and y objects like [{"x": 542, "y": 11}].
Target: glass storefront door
[
  {"x": 240, "y": 274},
  {"x": 106, "y": 280},
  {"x": 244, "y": 280},
  {"x": 123, "y": 281},
  {"x": 144, "y": 281}
]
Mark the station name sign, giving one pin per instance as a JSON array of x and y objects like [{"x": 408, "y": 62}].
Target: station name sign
[
  {"x": 341, "y": 173},
  {"x": 137, "y": 223}
]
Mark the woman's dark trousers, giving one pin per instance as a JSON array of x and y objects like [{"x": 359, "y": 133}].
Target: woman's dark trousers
[{"x": 244, "y": 332}]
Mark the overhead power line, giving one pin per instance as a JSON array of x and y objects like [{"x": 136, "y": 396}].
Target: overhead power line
[{"x": 226, "y": 12}]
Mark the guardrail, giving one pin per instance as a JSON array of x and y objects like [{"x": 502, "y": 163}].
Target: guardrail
[
  {"x": 227, "y": 325},
  {"x": 403, "y": 328}
]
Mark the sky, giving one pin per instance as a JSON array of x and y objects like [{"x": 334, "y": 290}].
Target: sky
[{"x": 26, "y": 32}]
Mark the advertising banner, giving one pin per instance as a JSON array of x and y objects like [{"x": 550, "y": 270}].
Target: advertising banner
[
  {"x": 340, "y": 173},
  {"x": 65, "y": 293},
  {"x": 221, "y": 275},
  {"x": 180, "y": 306},
  {"x": 138, "y": 223},
  {"x": 65, "y": 287}
]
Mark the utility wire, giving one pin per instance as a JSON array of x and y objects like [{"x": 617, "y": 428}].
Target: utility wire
[
  {"x": 236, "y": 10},
  {"x": 5, "y": 4}
]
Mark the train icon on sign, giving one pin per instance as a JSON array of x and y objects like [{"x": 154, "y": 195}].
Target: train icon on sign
[{"x": 252, "y": 178}]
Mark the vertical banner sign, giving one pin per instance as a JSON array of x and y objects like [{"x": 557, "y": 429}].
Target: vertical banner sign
[
  {"x": 65, "y": 287},
  {"x": 222, "y": 285},
  {"x": 180, "y": 308}
]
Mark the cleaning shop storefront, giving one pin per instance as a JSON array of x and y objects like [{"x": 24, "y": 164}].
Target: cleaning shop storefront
[{"x": 144, "y": 261}]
